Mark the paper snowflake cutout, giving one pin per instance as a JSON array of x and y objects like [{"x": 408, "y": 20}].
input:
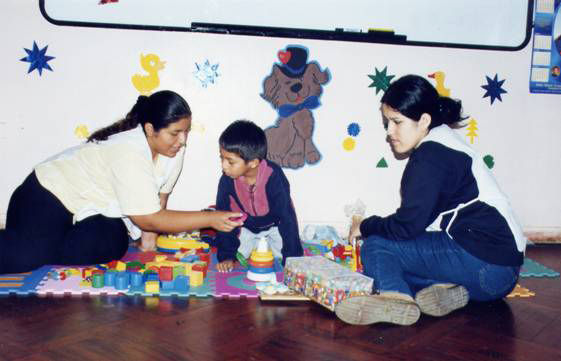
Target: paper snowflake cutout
[
  {"x": 380, "y": 81},
  {"x": 206, "y": 73},
  {"x": 37, "y": 59},
  {"x": 494, "y": 88}
]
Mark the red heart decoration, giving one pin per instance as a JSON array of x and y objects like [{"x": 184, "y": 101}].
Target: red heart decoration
[{"x": 284, "y": 56}]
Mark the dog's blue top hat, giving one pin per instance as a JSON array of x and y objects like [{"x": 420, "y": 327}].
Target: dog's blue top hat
[{"x": 294, "y": 61}]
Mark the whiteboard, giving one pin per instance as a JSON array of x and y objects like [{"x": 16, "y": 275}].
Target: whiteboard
[{"x": 502, "y": 24}]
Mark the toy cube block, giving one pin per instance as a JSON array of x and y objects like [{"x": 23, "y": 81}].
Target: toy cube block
[
  {"x": 178, "y": 271},
  {"x": 152, "y": 287},
  {"x": 190, "y": 258},
  {"x": 112, "y": 265},
  {"x": 87, "y": 272},
  {"x": 154, "y": 269},
  {"x": 160, "y": 258},
  {"x": 181, "y": 283},
  {"x": 137, "y": 279},
  {"x": 109, "y": 278},
  {"x": 205, "y": 257},
  {"x": 74, "y": 272},
  {"x": 201, "y": 267},
  {"x": 145, "y": 257},
  {"x": 167, "y": 285},
  {"x": 122, "y": 281},
  {"x": 121, "y": 266},
  {"x": 134, "y": 265},
  {"x": 166, "y": 273},
  {"x": 196, "y": 279},
  {"x": 151, "y": 276}
]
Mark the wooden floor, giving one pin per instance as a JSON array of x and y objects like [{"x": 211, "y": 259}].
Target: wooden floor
[{"x": 138, "y": 328}]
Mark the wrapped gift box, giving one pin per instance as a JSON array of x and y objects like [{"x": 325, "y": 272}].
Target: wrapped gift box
[{"x": 324, "y": 281}]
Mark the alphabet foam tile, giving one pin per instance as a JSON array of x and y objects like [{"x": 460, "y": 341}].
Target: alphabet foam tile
[
  {"x": 531, "y": 268},
  {"x": 235, "y": 284},
  {"x": 520, "y": 291}
]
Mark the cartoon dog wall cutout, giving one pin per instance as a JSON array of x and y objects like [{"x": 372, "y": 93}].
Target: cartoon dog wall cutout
[{"x": 293, "y": 89}]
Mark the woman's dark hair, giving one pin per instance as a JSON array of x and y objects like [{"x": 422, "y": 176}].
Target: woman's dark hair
[
  {"x": 412, "y": 96},
  {"x": 245, "y": 139},
  {"x": 159, "y": 109}
]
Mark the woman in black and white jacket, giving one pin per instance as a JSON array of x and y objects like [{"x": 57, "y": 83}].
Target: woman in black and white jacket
[{"x": 454, "y": 236}]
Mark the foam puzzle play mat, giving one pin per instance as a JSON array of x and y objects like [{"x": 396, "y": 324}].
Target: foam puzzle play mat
[{"x": 185, "y": 266}]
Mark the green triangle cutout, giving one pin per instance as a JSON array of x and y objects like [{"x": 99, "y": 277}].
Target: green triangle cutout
[{"x": 382, "y": 163}]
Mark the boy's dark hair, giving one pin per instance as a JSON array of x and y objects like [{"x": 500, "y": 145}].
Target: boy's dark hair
[{"x": 245, "y": 139}]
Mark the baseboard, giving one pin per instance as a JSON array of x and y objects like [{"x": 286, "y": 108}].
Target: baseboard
[{"x": 544, "y": 235}]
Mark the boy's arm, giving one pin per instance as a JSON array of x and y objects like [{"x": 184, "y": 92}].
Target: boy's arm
[
  {"x": 288, "y": 223},
  {"x": 227, "y": 243}
]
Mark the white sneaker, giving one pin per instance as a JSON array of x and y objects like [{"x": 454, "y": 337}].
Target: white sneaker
[
  {"x": 442, "y": 298},
  {"x": 365, "y": 310}
]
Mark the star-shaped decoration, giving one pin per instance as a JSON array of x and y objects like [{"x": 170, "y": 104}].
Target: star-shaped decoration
[
  {"x": 37, "y": 59},
  {"x": 494, "y": 88},
  {"x": 380, "y": 81},
  {"x": 206, "y": 73}
]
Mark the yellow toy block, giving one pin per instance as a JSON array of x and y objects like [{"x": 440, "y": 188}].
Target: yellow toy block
[
  {"x": 196, "y": 279},
  {"x": 152, "y": 287},
  {"x": 160, "y": 258},
  {"x": 121, "y": 266}
]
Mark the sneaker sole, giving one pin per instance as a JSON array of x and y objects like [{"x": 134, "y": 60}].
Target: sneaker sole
[
  {"x": 439, "y": 301},
  {"x": 365, "y": 310}
]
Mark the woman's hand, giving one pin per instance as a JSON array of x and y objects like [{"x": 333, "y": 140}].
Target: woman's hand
[
  {"x": 225, "y": 221},
  {"x": 148, "y": 241},
  {"x": 354, "y": 232}
]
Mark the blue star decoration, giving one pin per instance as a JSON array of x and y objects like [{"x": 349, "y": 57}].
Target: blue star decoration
[
  {"x": 494, "y": 88},
  {"x": 353, "y": 129},
  {"x": 380, "y": 81},
  {"x": 206, "y": 73},
  {"x": 37, "y": 59}
]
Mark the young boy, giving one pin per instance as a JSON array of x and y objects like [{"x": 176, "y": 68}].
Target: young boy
[{"x": 258, "y": 188}]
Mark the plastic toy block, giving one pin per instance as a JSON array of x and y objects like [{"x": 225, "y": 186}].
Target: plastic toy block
[
  {"x": 74, "y": 272},
  {"x": 167, "y": 285},
  {"x": 112, "y": 264},
  {"x": 166, "y": 273},
  {"x": 62, "y": 276},
  {"x": 190, "y": 258},
  {"x": 109, "y": 278},
  {"x": 97, "y": 280},
  {"x": 200, "y": 268},
  {"x": 154, "y": 269},
  {"x": 134, "y": 265},
  {"x": 205, "y": 257},
  {"x": 87, "y": 272},
  {"x": 196, "y": 278},
  {"x": 137, "y": 279},
  {"x": 160, "y": 258},
  {"x": 178, "y": 271},
  {"x": 122, "y": 280},
  {"x": 121, "y": 266},
  {"x": 181, "y": 283},
  {"x": 151, "y": 277},
  {"x": 145, "y": 257},
  {"x": 152, "y": 287}
]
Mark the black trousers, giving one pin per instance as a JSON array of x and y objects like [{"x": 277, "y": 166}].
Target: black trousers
[{"x": 39, "y": 231}]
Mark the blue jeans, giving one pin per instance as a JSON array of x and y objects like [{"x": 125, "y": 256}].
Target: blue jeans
[{"x": 433, "y": 257}]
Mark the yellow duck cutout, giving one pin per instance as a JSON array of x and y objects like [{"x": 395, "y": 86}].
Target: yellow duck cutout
[
  {"x": 151, "y": 63},
  {"x": 440, "y": 88}
]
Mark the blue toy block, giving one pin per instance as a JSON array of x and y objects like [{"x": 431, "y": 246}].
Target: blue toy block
[
  {"x": 122, "y": 281},
  {"x": 151, "y": 277},
  {"x": 167, "y": 285},
  {"x": 109, "y": 278},
  {"x": 190, "y": 258},
  {"x": 181, "y": 283},
  {"x": 137, "y": 279}
]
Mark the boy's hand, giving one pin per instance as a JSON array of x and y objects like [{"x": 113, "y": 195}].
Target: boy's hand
[
  {"x": 148, "y": 241},
  {"x": 223, "y": 221},
  {"x": 225, "y": 266}
]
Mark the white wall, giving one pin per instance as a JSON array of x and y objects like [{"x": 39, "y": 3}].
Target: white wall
[{"x": 91, "y": 85}]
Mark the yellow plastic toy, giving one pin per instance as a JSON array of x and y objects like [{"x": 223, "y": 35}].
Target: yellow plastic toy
[{"x": 172, "y": 244}]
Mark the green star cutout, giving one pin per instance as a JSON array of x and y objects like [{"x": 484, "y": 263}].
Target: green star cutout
[{"x": 380, "y": 81}]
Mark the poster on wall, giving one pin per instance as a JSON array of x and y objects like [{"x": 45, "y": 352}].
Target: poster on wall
[{"x": 545, "y": 75}]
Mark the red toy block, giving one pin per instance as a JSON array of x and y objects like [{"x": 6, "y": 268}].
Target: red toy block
[
  {"x": 166, "y": 273},
  {"x": 201, "y": 268},
  {"x": 145, "y": 257}
]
